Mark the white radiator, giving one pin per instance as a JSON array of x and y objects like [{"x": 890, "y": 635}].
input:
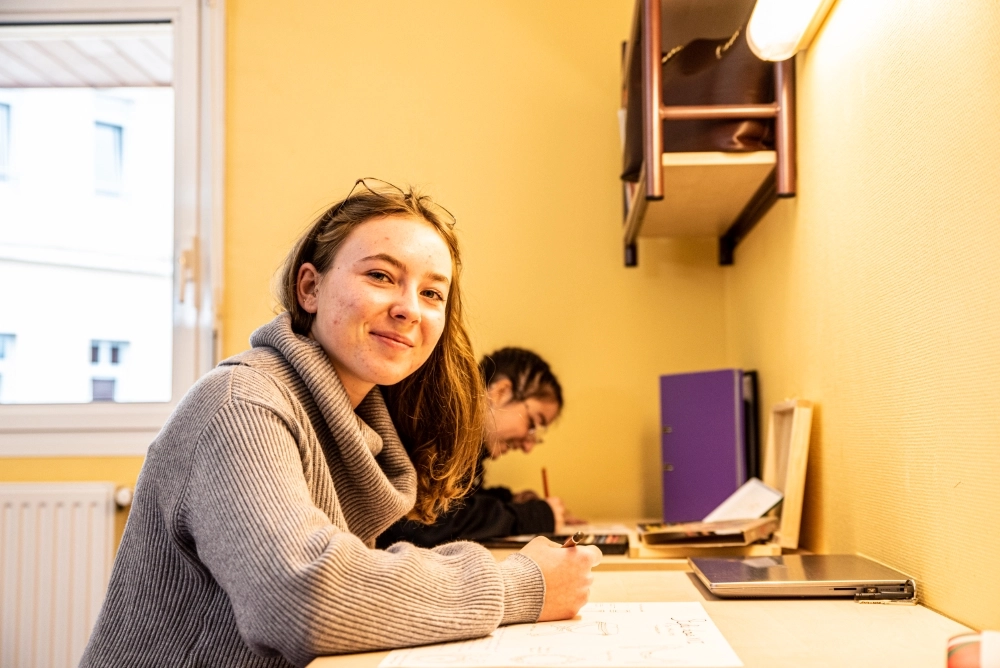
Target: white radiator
[{"x": 56, "y": 549}]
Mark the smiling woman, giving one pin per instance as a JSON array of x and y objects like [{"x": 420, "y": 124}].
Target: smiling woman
[
  {"x": 366, "y": 292},
  {"x": 251, "y": 536}
]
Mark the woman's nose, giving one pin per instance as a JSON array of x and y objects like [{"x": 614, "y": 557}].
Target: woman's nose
[{"x": 406, "y": 307}]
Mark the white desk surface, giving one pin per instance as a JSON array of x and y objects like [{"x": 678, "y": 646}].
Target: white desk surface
[{"x": 776, "y": 633}]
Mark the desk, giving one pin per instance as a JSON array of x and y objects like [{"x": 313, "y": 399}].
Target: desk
[
  {"x": 777, "y": 633},
  {"x": 621, "y": 562}
]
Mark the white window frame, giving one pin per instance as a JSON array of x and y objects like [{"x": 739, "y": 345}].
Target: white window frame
[{"x": 107, "y": 429}]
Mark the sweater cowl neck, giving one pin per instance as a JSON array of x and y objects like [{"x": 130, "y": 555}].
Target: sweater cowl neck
[{"x": 373, "y": 468}]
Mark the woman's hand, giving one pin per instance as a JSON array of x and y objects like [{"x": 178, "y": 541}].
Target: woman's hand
[{"x": 567, "y": 573}]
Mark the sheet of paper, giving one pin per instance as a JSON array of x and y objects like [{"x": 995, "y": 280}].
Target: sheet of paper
[
  {"x": 752, "y": 500},
  {"x": 603, "y": 635}
]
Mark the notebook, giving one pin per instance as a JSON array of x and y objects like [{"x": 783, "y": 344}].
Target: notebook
[
  {"x": 803, "y": 575},
  {"x": 608, "y": 543},
  {"x": 708, "y": 534}
]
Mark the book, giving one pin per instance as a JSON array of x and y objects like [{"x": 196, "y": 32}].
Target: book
[
  {"x": 730, "y": 533},
  {"x": 608, "y": 543}
]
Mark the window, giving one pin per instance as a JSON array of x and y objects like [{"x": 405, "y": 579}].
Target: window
[
  {"x": 102, "y": 389},
  {"x": 117, "y": 152},
  {"x": 108, "y": 155},
  {"x": 6, "y": 359},
  {"x": 6, "y": 345},
  {"x": 74, "y": 240},
  {"x": 107, "y": 352},
  {"x": 4, "y": 142}
]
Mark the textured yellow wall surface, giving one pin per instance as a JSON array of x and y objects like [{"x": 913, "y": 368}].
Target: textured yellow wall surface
[
  {"x": 122, "y": 471},
  {"x": 876, "y": 293},
  {"x": 506, "y": 113}
]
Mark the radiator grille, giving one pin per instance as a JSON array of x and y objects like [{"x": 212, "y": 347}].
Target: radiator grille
[{"x": 56, "y": 549}]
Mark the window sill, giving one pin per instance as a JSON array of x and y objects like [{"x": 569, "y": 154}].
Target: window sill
[{"x": 80, "y": 430}]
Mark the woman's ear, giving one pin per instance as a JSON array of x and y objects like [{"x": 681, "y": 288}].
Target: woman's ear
[
  {"x": 500, "y": 392},
  {"x": 307, "y": 287}
]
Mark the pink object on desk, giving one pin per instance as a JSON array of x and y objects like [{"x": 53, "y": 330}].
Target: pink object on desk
[{"x": 974, "y": 650}]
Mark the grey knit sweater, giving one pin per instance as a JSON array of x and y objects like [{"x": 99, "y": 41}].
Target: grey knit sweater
[{"x": 249, "y": 542}]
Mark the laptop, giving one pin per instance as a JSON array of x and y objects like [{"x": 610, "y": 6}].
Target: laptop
[{"x": 803, "y": 575}]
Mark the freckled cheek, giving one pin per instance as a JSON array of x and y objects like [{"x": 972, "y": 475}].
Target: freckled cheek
[{"x": 433, "y": 327}]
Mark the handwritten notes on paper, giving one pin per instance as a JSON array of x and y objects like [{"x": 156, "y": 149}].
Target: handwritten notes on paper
[{"x": 603, "y": 635}]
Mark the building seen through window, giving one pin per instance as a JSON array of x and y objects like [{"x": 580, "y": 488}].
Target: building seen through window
[
  {"x": 108, "y": 154},
  {"x": 6, "y": 353},
  {"x": 87, "y": 213},
  {"x": 4, "y": 141}
]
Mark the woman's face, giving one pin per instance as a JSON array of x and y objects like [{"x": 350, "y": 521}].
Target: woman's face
[
  {"x": 380, "y": 307},
  {"x": 516, "y": 425}
]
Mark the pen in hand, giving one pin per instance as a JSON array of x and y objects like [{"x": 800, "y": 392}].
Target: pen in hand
[{"x": 573, "y": 540}]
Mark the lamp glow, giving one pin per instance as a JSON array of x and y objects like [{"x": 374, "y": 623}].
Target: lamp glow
[{"x": 781, "y": 28}]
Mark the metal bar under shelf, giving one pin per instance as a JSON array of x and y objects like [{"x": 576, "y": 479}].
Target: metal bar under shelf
[
  {"x": 717, "y": 111},
  {"x": 652, "y": 99},
  {"x": 784, "y": 126}
]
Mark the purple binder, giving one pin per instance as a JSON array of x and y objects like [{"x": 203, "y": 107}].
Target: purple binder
[{"x": 702, "y": 441}]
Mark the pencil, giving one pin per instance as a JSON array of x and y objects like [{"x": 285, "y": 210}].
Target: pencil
[
  {"x": 573, "y": 540},
  {"x": 545, "y": 482}
]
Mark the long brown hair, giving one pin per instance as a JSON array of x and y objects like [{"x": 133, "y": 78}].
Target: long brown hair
[{"x": 439, "y": 410}]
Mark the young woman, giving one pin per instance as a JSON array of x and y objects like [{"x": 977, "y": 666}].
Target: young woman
[
  {"x": 250, "y": 539},
  {"x": 524, "y": 398}
]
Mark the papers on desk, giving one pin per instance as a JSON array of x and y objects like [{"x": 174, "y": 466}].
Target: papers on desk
[
  {"x": 738, "y": 521},
  {"x": 753, "y": 499},
  {"x": 730, "y": 533},
  {"x": 604, "y": 635}
]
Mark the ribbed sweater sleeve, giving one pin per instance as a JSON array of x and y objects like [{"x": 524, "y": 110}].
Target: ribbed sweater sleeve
[{"x": 301, "y": 587}]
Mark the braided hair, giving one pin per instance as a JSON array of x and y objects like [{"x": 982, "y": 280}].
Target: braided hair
[{"x": 529, "y": 375}]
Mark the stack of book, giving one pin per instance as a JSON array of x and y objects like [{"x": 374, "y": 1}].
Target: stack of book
[
  {"x": 720, "y": 538},
  {"x": 739, "y": 526}
]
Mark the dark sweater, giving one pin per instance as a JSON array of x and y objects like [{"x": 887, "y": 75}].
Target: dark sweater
[{"x": 485, "y": 513}]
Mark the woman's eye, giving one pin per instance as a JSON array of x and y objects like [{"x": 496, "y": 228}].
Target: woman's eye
[
  {"x": 433, "y": 294},
  {"x": 380, "y": 276}
]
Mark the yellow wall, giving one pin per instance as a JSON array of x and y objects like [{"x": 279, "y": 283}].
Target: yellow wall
[
  {"x": 506, "y": 112},
  {"x": 877, "y": 293}
]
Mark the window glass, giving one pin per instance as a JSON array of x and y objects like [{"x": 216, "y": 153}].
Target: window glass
[
  {"x": 87, "y": 213},
  {"x": 4, "y": 140},
  {"x": 108, "y": 155}
]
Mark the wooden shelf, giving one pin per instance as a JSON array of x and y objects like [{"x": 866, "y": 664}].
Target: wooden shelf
[
  {"x": 704, "y": 193},
  {"x": 696, "y": 194}
]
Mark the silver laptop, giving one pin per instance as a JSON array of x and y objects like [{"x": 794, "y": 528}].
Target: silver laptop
[{"x": 795, "y": 575}]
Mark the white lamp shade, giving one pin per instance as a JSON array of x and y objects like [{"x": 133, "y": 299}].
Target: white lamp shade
[{"x": 781, "y": 28}]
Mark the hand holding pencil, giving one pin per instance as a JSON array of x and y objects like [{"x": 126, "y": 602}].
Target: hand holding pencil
[{"x": 567, "y": 572}]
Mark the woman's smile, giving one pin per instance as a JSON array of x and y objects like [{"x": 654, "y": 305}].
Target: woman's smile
[{"x": 393, "y": 340}]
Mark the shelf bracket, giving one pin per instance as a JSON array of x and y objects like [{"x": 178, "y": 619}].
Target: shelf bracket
[{"x": 759, "y": 204}]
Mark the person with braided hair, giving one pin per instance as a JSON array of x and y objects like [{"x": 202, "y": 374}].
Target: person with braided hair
[{"x": 524, "y": 399}]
